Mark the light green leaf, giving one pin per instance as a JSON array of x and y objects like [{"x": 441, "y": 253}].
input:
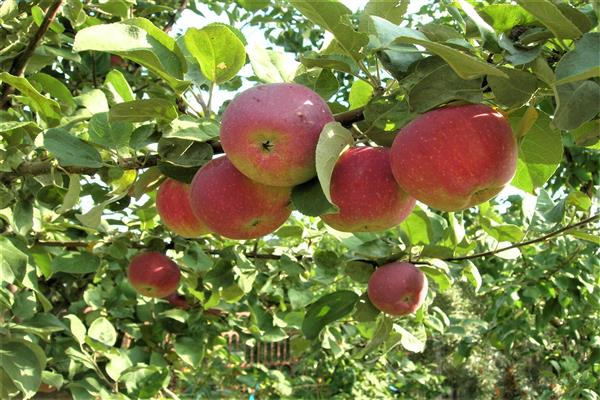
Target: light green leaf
[
  {"x": 218, "y": 50},
  {"x": 93, "y": 101},
  {"x": 472, "y": 274},
  {"x": 70, "y": 150},
  {"x": 418, "y": 227},
  {"x": 337, "y": 62},
  {"x": 487, "y": 33},
  {"x": 540, "y": 152},
  {"x": 380, "y": 335},
  {"x": 72, "y": 196},
  {"x": 549, "y": 14},
  {"x": 189, "y": 128},
  {"x": 77, "y": 328},
  {"x": 271, "y": 66},
  {"x": 334, "y": 17},
  {"x": 12, "y": 261},
  {"x": 118, "y": 86},
  {"x": 23, "y": 362},
  {"x": 103, "y": 331},
  {"x": 55, "y": 87},
  {"x": 48, "y": 108},
  {"x": 139, "y": 40},
  {"x": 392, "y": 10},
  {"x": 143, "y": 110},
  {"x": 327, "y": 309},
  {"x": 439, "y": 274},
  {"x": 465, "y": 65},
  {"x": 110, "y": 133},
  {"x": 360, "y": 93},
  {"x": 322, "y": 81},
  {"x": 333, "y": 141},
  {"x": 117, "y": 364},
  {"x": 409, "y": 341},
  {"x": 190, "y": 350},
  {"x": 75, "y": 263},
  {"x": 506, "y": 16},
  {"x": 582, "y": 62}
]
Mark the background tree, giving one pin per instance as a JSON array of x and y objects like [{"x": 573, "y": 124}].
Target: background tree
[{"x": 103, "y": 99}]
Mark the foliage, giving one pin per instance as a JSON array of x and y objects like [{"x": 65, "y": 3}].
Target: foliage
[{"x": 105, "y": 98}]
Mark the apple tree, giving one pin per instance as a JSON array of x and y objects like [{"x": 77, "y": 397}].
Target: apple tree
[{"x": 296, "y": 199}]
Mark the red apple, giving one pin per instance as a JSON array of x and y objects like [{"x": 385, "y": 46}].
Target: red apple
[
  {"x": 177, "y": 300},
  {"x": 398, "y": 288},
  {"x": 234, "y": 206},
  {"x": 175, "y": 211},
  {"x": 153, "y": 274},
  {"x": 270, "y": 132},
  {"x": 455, "y": 157},
  {"x": 364, "y": 189}
]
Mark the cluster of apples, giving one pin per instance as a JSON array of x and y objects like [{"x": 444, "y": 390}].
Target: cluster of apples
[{"x": 450, "y": 158}]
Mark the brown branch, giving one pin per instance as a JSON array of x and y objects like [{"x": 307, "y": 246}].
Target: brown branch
[
  {"x": 527, "y": 242},
  {"x": 20, "y": 62},
  {"x": 347, "y": 118},
  {"x": 182, "y": 6}
]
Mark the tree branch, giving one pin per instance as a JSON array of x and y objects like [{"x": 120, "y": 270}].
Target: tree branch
[
  {"x": 527, "y": 242},
  {"x": 34, "y": 168},
  {"x": 20, "y": 62},
  {"x": 182, "y": 6},
  {"x": 71, "y": 245}
]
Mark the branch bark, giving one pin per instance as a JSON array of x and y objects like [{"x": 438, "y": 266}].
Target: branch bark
[
  {"x": 252, "y": 254},
  {"x": 20, "y": 62}
]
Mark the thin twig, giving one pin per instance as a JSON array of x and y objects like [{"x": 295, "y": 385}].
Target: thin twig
[{"x": 20, "y": 62}]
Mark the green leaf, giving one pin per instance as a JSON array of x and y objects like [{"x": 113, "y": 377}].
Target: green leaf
[
  {"x": 23, "y": 362},
  {"x": 380, "y": 335},
  {"x": 139, "y": 40},
  {"x": 309, "y": 199},
  {"x": 486, "y": 32},
  {"x": 577, "y": 103},
  {"x": 517, "y": 55},
  {"x": 550, "y": 15},
  {"x": 327, "y": 309},
  {"x": 502, "y": 232},
  {"x": 70, "y": 150},
  {"x": 582, "y": 62},
  {"x": 55, "y": 87},
  {"x": 322, "y": 81},
  {"x": 187, "y": 127},
  {"x": 333, "y": 141},
  {"x": 337, "y": 62},
  {"x": 76, "y": 263},
  {"x": 72, "y": 196},
  {"x": 271, "y": 66},
  {"x": 143, "y": 110},
  {"x": 299, "y": 298},
  {"x": 418, "y": 227},
  {"x": 465, "y": 65},
  {"x": 360, "y": 94},
  {"x": 184, "y": 153},
  {"x": 358, "y": 271},
  {"x": 48, "y": 108},
  {"x": 515, "y": 90},
  {"x": 334, "y": 17},
  {"x": 540, "y": 153},
  {"x": 439, "y": 274},
  {"x": 384, "y": 117},
  {"x": 77, "y": 328},
  {"x": 190, "y": 350},
  {"x": 103, "y": 331},
  {"x": 503, "y": 17},
  {"x": 472, "y": 274},
  {"x": 392, "y": 10},
  {"x": 118, "y": 86},
  {"x": 409, "y": 341},
  {"x": 12, "y": 261},
  {"x": 117, "y": 364},
  {"x": 441, "y": 86},
  {"x": 585, "y": 236},
  {"x": 110, "y": 133},
  {"x": 144, "y": 382},
  {"x": 218, "y": 50}
]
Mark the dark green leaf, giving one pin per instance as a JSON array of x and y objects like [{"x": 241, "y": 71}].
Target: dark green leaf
[
  {"x": 75, "y": 263},
  {"x": 70, "y": 150},
  {"x": 143, "y": 110},
  {"x": 308, "y": 198},
  {"x": 327, "y": 309}
]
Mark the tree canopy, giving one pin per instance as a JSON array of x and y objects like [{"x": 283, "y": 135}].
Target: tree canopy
[{"x": 103, "y": 100}]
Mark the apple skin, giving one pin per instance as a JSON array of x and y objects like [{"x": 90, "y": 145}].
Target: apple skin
[
  {"x": 270, "y": 132},
  {"x": 234, "y": 206},
  {"x": 175, "y": 211},
  {"x": 455, "y": 157},
  {"x": 366, "y": 193},
  {"x": 153, "y": 274},
  {"x": 398, "y": 288}
]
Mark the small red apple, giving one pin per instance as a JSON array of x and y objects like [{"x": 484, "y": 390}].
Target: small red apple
[
  {"x": 455, "y": 157},
  {"x": 270, "y": 132},
  {"x": 234, "y": 206},
  {"x": 153, "y": 274},
  {"x": 175, "y": 211},
  {"x": 364, "y": 189},
  {"x": 398, "y": 288}
]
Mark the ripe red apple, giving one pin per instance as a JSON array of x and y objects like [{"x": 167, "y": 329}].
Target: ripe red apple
[
  {"x": 270, "y": 132},
  {"x": 398, "y": 288},
  {"x": 364, "y": 189},
  {"x": 153, "y": 274},
  {"x": 175, "y": 211},
  {"x": 234, "y": 206},
  {"x": 455, "y": 157}
]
